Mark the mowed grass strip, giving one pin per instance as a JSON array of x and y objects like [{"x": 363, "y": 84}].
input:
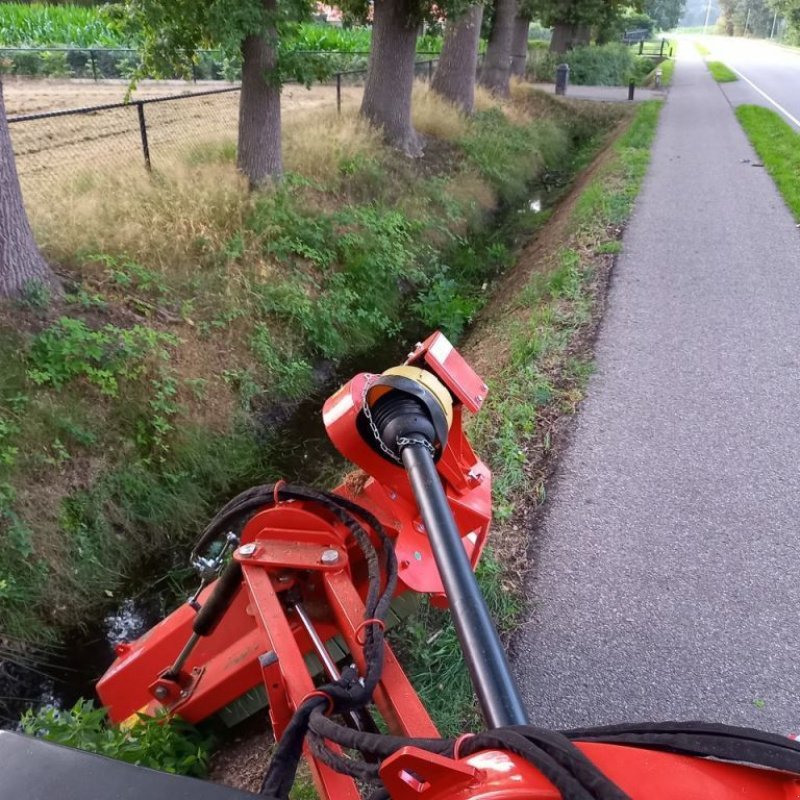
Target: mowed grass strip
[
  {"x": 778, "y": 146},
  {"x": 721, "y": 73}
]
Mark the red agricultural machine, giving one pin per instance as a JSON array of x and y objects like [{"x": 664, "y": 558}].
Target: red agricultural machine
[{"x": 298, "y": 582}]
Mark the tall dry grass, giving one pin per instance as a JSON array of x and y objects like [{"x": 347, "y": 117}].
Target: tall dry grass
[
  {"x": 166, "y": 219},
  {"x": 193, "y": 203},
  {"x": 432, "y": 115}
]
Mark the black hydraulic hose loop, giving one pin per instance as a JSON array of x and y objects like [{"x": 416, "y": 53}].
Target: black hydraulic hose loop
[{"x": 350, "y": 692}]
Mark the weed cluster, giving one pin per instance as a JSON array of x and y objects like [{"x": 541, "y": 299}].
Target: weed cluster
[{"x": 168, "y": 744}]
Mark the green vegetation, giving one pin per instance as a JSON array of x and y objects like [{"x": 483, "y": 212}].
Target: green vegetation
[
  {"x": 593, "y": 65},
  {"x": 720, "y": 72},
  {"x": 166, "y": 744},
  {"x": 778, "y": 146},
  {"x": 39, "y": 25},
  {"x": 146, "y": 398},
  {"x": 541, "y": 377},
  {"x": 311, "y": 51}
]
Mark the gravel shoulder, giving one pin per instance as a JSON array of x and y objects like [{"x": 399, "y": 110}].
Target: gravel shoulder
[{"x": 663, "y": 583}]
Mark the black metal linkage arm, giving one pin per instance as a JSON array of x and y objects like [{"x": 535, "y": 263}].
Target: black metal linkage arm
[{"x": 494, "y": 685}]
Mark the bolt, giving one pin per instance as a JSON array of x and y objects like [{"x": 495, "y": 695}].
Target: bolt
[
  {"x": 246, "y": 550},
  {"x": 329, "y": 556},
  {"x": 419, "y": 526},
  {"x": 392, "y": 494},
  {"x": 478, "y": 398},
  {"x": 161, "y": 693}
]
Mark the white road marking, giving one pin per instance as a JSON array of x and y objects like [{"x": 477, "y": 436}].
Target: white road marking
[{"x": 767, "y": 97}]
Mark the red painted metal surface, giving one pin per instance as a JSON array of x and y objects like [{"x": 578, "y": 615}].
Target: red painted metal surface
[
  {"x": 412, "y": 774},
  {"x": 261, "y": 641}
]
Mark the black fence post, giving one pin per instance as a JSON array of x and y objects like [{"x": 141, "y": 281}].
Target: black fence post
[
  {"x": 663, "y": 42},
  {"x": 641, "y": 47},
  {"x": 143, "y": 132},
  {"x": 430, "y": 71},
  {"x": 94, "y": 64},
  {"x": 631, "y": 89},
  {"x": 338, "y": 92}
]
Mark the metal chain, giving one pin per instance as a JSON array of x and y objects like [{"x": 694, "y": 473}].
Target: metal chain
[
  {"x": 406, "y": 441},
  {"x": 402, "y": 441},
  {"x": 368, "y": 384}
]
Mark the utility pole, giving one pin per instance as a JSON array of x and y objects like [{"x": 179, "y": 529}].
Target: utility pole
[
  {"x": 708, "y": 14},
  {"x": 774, "y": 22},
  {"x": 747, "y": 21}
]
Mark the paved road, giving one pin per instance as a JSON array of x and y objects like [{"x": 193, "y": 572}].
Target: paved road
[
  {"x": 769, "y": 74},
  {"x": 666, "y": 583}
]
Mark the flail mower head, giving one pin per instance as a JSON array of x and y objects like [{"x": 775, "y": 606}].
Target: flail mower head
[{"x": 297, "y": 589}]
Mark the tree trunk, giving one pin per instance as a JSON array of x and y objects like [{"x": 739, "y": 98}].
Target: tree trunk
[
  {"x": 21, "y": 263},
  {"x": 563, "y": 38},
  {"x": 454, "y": 78},
  {"x": 519, "y": 46},
  {"x": 497, "y": 63},
  {"x": 259, "y": 150},
  {"x": 390, "y": 76}
]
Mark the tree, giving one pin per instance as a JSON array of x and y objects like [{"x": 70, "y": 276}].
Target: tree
[
  {"x": 572, "y": 20},
  {"x": 519, "y": 42},
  {"x": 258, "y": 154},
  {"x": 496, "y": 70},
  {"x": 172, "y": 31},
  {"x": 666, "y": 13},
  {"x": 752, "y": 17},
  {"x": 390, "y": 76},
  {"x": 454, "y": 78},
  {"x": 21, "y": 263},
  {"x": 789, "y": 10}
]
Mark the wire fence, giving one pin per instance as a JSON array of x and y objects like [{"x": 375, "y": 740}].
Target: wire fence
[
  {"x": 104, "y": 63},
  {"x": 69, "y": 149}
]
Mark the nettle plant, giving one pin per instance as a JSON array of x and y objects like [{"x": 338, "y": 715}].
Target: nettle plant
[
  {"x": 69, "y": 349},
  {"x": 106, "y": 359}
]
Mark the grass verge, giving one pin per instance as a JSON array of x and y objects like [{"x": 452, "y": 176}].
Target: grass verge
[
  {"x": 702, "y": 49},
  {"x": 778, "y": 146},
  {"x": 721, "y": 73},
  {"x": 536, "y": 354}
]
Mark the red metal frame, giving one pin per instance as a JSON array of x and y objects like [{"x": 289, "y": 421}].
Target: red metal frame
[{"x": 261, "y": 641}]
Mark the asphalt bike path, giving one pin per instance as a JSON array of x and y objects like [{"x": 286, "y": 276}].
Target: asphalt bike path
[{"x": 666, "y": 580}]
